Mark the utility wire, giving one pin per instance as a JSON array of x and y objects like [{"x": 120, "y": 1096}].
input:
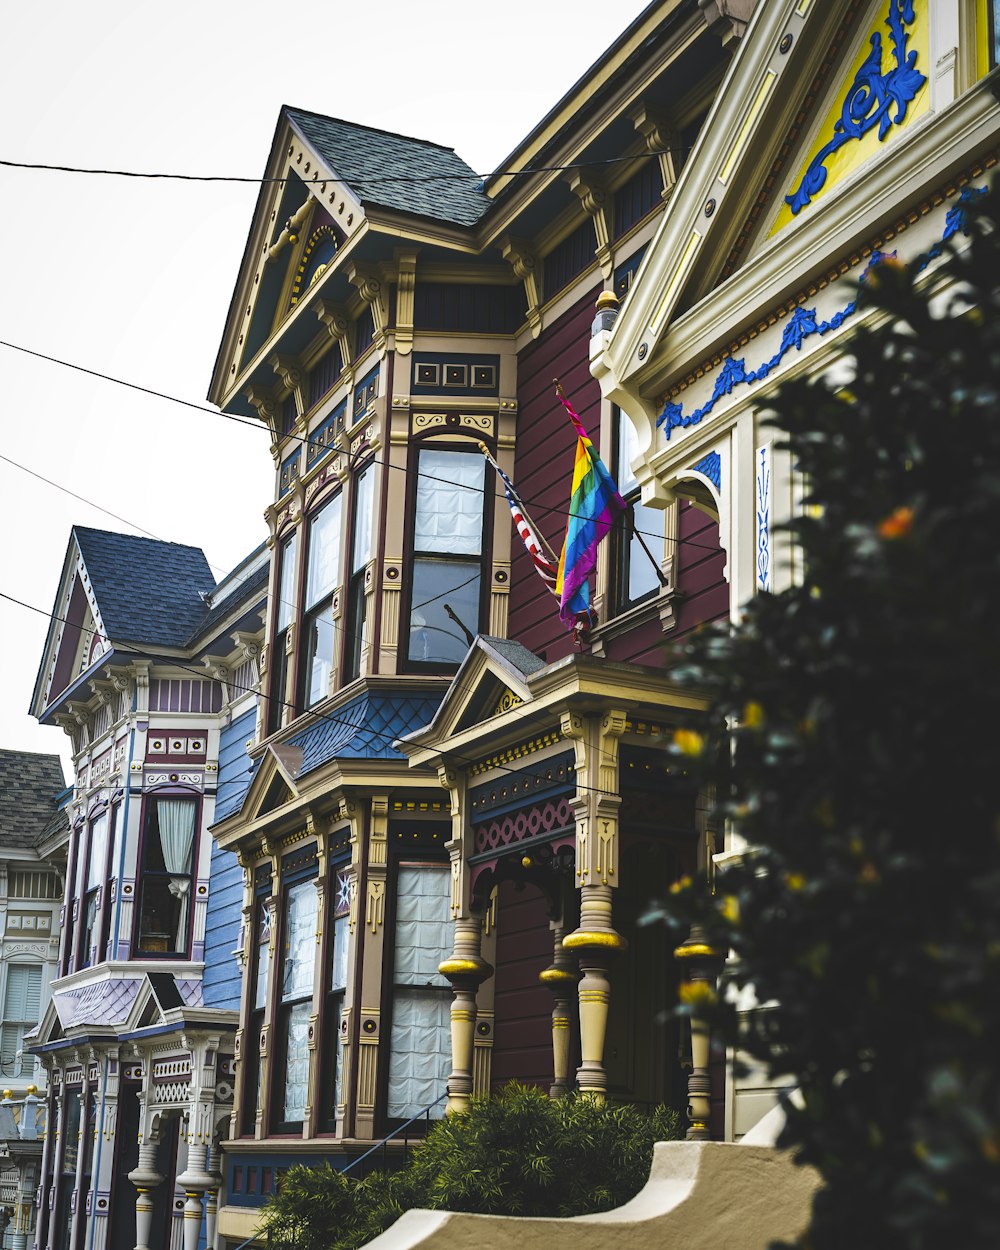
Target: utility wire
[
  {"x": 359, "y": 180},
  {"x": 302, "y": 439},
  {"x": 167, "y": 660}
]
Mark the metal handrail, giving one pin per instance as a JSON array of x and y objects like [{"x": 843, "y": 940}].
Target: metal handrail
[{"x": 424, "y": 1111}]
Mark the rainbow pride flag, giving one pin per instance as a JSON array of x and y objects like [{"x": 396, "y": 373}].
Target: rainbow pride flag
[{"x": 594, "y": 506}]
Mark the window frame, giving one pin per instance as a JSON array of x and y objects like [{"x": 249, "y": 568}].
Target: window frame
[
  {"x": 96, "y": 893},
  {"x": 626, "y": 546},
  {"x": 424, "y": 857},
  {"x": 283, "y": 622},
  {"x": 324, "y": 603},
  {"x": 282, "y": 1009},
  {"x": 256, "y": 1015},
  {"x": 334, "y": 996},
  {"x": 354, "y": 573},
  {"x": 145, "y": 875},
  {"x": 479, "y": 561}
]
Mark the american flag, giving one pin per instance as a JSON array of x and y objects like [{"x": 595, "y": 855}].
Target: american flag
[{"x": 544, "y": 567}]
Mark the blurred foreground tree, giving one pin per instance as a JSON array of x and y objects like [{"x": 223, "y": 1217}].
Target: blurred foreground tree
[{"x": 861, "y": 769}]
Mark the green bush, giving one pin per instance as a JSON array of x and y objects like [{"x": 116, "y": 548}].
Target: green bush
[
  {"x": 518, "y": 1153},
  {"x": 861, "y": 772}
]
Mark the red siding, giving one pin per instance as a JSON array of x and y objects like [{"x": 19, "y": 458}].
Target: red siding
[
  {"x": 522, "y": 1046},
  {"x": 543, "y": 468},
  {"x": 700, "y": 561}
]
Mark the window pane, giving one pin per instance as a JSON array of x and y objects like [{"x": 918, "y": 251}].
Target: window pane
[
  {"x": 296, "y": 1060},
  {"x": 437, "y": 585},
  {"x": 423, "y": 924},
  {"x": 263, "y": 956},
  {"x": 449, "y": 514},
  {"x": 300, "y": 941},
  {"x": 324, "y": 552},
  {"x": 338, "y": 974},
  {"x": 364, "y": 502},
  {"x": 642, "y": 578},
  {"x": 420, "y": 1058},
  {"x": 286, "y": 583},
  {"x": 71, "y": 1129},
  {"x": 98, "y": 852},
  {"x": 319, "y": 655}
]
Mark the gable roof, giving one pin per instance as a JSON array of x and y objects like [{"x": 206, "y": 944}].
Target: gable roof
[
  {"x": 148, "y": 591},
  {"x": 31, "y": 786},
  {"x": 395, "y": 171}
]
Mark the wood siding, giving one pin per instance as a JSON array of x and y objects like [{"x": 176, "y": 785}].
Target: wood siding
[
  {"x": 543, "y": 468},
  {"x": 522, "y": 1046}
]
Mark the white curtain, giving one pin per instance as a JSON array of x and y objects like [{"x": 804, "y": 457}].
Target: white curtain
[
  {"x": 449, "y": 503},
  {"x": 420, "y": 1051},
  {"x": 176, "y": 821}
]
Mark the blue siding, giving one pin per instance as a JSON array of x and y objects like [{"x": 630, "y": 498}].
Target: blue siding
[{"x": 221, "y": 985}]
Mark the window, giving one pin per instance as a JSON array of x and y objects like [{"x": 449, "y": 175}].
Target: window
[
  {"x": 22, "y": 1001},
  {"x": 96, "y": 879},
  {"x": 636, "y": 576},
  {"x": 420, "y": 1041},
  {"x": 322, "y": 578},
  {"x": 165, "y": 879},
  {"x": 250, "y": 1056},
  {"x": 447, "y": 556},
  {"x": 361, "y": 553},
  {"x": 284, "y": 613},
  {"x": 295, "y": 1005},
  {"x": 335, "y": 993}
]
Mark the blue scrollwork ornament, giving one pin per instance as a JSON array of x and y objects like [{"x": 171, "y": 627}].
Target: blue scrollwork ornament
[{"x": 876, "y": 97}]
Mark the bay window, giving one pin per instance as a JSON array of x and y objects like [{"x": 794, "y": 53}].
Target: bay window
[
  {"x": 361, "y": 553},
  {"x": 284, "y": 614},
  {"x": 420, "y": 1038},
  {"x": 295, "y": 989},
  {"x": 166, "y": 875},
  {"x": 636, "y": 577},
  {"x": 322, "y": 578},
  {"x": 445, "y": 582}
]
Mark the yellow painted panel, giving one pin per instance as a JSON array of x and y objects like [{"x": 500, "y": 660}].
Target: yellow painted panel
[
  {"x": 982, "y": 39},
  {"x": 857, "y": 152}
]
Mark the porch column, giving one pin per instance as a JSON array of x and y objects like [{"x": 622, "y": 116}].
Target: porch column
[
  {"x": 212, "y": 1199},
  {"x": 465, "y": 968},
  {"x": 595, "y": 805},
  {"x": 561, "y": 977},
  {"x": 145, "y": 1178},
  {"x": 196, "y": 1181},
  {"x": 700, "y": 964}
]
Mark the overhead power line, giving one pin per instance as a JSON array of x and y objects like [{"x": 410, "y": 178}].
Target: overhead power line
[
  {"x": 359, "y": 180},
  {"x": 299, "y": 438}
]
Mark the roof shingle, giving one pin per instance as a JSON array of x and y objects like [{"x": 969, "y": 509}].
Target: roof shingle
[
  {"x": 148, "y": 591},
  {"x": 30, "y": 787},
  {"x": 394, "y": 171}
]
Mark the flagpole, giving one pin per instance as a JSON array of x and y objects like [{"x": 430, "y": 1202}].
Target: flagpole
[{"x": 520, "y": 503}]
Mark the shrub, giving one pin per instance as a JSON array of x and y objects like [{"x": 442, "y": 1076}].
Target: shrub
[{"x": 517, "y": 1153}]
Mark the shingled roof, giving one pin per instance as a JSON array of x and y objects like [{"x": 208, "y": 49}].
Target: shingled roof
[
  {"x": 394, "y": 171},
  {"x": 148, "y": 591},
  {"x": 30, "y": 787}
]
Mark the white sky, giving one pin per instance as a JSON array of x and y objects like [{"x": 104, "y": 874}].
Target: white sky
[{"x": 133, "y": 277}]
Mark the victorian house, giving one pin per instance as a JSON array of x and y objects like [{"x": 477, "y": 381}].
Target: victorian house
[
  {"x": 844, "y": 134},
  {"x": 149, "y": 666},
  {"x": 454, "y": 813}
]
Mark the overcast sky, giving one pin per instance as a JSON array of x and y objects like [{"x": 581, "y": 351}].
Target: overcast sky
[{"x": 133, "y": 277}]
